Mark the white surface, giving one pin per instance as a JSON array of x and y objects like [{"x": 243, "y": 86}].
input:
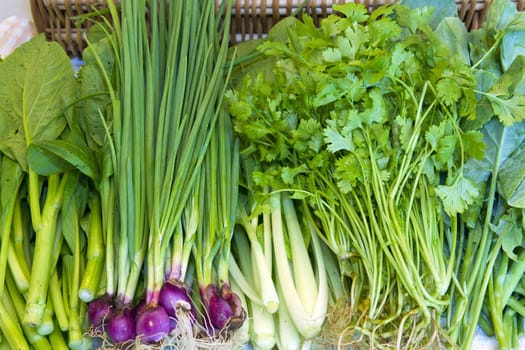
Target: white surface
[{"x": 15, "y": 8}]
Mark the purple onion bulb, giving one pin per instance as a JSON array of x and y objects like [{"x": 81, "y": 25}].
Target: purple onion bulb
[
  {"x": 174, "y": 295},
  {"x": 121, "y": 326},
  {"x": 99, "y": 310},
  {"x": 152, "y": 323}
]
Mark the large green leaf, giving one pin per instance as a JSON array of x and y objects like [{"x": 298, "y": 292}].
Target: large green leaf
[
  {"x": 452, "y": 32},
  {"x": 512, "y": 46},
  {"x": 500, "y": 14},
  {"x": 73, "y": 208},
  {"x": 53, "y": 156},
  {"x": 11, "y": 177},
  {"x": 96, "y": 101},
  {"x": 512, "y": 177},
  {"x": 35, "y": 79},
  {"x": 502, "y": 141}
]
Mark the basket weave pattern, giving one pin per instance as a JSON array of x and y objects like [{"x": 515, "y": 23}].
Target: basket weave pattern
[{"x": 250, "y": 18}]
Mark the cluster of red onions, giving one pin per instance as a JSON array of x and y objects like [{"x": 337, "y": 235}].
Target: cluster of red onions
[{"x": 152, "y": 322}]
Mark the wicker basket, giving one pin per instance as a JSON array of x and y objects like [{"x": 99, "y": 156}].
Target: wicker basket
[{"x": 250, "y": 18}]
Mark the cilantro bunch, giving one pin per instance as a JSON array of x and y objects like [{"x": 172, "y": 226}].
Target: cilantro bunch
[{"x": 368, "y": 117}]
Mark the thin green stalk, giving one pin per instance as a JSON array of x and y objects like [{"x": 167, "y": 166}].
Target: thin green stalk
[
  {"x": 47, "y": 324},
  {"x": 73, "y": 267},
  {"x": 57, "y": 341},
  {"x": 107, "y": 190},
  {"x": 58, "y": 302},
  {"x": 478, "y": 298},
  {"x": 17, "y": 253},
  {"x": 11, "y": 180},
  {"x": 11, "y": 329},
  {"x": 482, "y": 256},
  {"x": 36, "y": 340},
  {"x": 95, "y": 254},
  {"x": 517, "y": 306}
]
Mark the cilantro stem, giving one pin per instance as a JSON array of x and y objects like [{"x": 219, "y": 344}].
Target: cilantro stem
[{"x": 487, "y": 53}]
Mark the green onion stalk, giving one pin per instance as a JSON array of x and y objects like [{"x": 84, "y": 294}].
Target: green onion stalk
[
  {"x": 223, "y": 312},
  {"x": 166, "y": 101},
  {"x": 187, "y": 117}
]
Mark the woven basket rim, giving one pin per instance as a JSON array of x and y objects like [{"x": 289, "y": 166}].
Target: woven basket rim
[{"x": 251, "y": 19}]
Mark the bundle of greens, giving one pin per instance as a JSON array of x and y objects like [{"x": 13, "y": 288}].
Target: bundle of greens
[
  {"x": 45, "y": 202},
  {"x": 490, "y": 272},
  {"x": 130, "y": 165},
  {"x": 364, "y": 188},
  {"x": 167, "y": 138},
  {"x": 371, "y": 120}
]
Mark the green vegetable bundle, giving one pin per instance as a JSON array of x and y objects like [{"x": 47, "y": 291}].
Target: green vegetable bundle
[
  {"x": 374, "y": 121},
  {"x": 365, "y": 187}
]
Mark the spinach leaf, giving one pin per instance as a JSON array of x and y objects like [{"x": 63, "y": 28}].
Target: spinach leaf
[
  {"x": 37, "y": 76},
  {"x": 452, "y": 32},
  {"x": 512, "y": 174}
]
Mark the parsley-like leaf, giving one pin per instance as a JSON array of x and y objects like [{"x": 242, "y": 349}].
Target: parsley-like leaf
[{"x": 457, "y": 196}]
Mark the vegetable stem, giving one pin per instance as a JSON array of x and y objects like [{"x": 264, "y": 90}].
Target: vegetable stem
[{"x": 44, "y": 244}]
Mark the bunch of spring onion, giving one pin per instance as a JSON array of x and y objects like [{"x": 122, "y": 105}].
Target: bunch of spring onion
[{"x": 166, "y": 104}]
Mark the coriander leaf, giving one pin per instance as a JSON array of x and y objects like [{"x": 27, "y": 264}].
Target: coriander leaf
[
  {"x": 511, "y": 78},
  {"x": 274, "y": 48},
  {"x": 403, "y": 128},
  {"x": 308, "y": 136},
  {"x": 288, "y": 174},
  {"x": 335, "y": 141},
  {"x": 507, "y": 103},
  {"x": 385, "y": 30},
  {"x": 328, "y": 93},
  {"x": 241, "y": 110},
  {"x": 346, "y": 50},
  {"x": 355, "y": 12},
  {"x": 377, "y": 113},
  {"x": 331, "y": 25},
  {"x": 508, "y": 110},
  {"x": 414, "y": 18},
  {"x": 457, "y": 196},
  {"x": 400, "y": 58},
  {"x": 434, "y": 134},
  {"x": 332, "y": 55},
  {"x": 357, "y": 36},
  {"x": 348, "y": 172},
  {"x": 446, "y": 148},
  {"x": 449, "y": 91}
]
